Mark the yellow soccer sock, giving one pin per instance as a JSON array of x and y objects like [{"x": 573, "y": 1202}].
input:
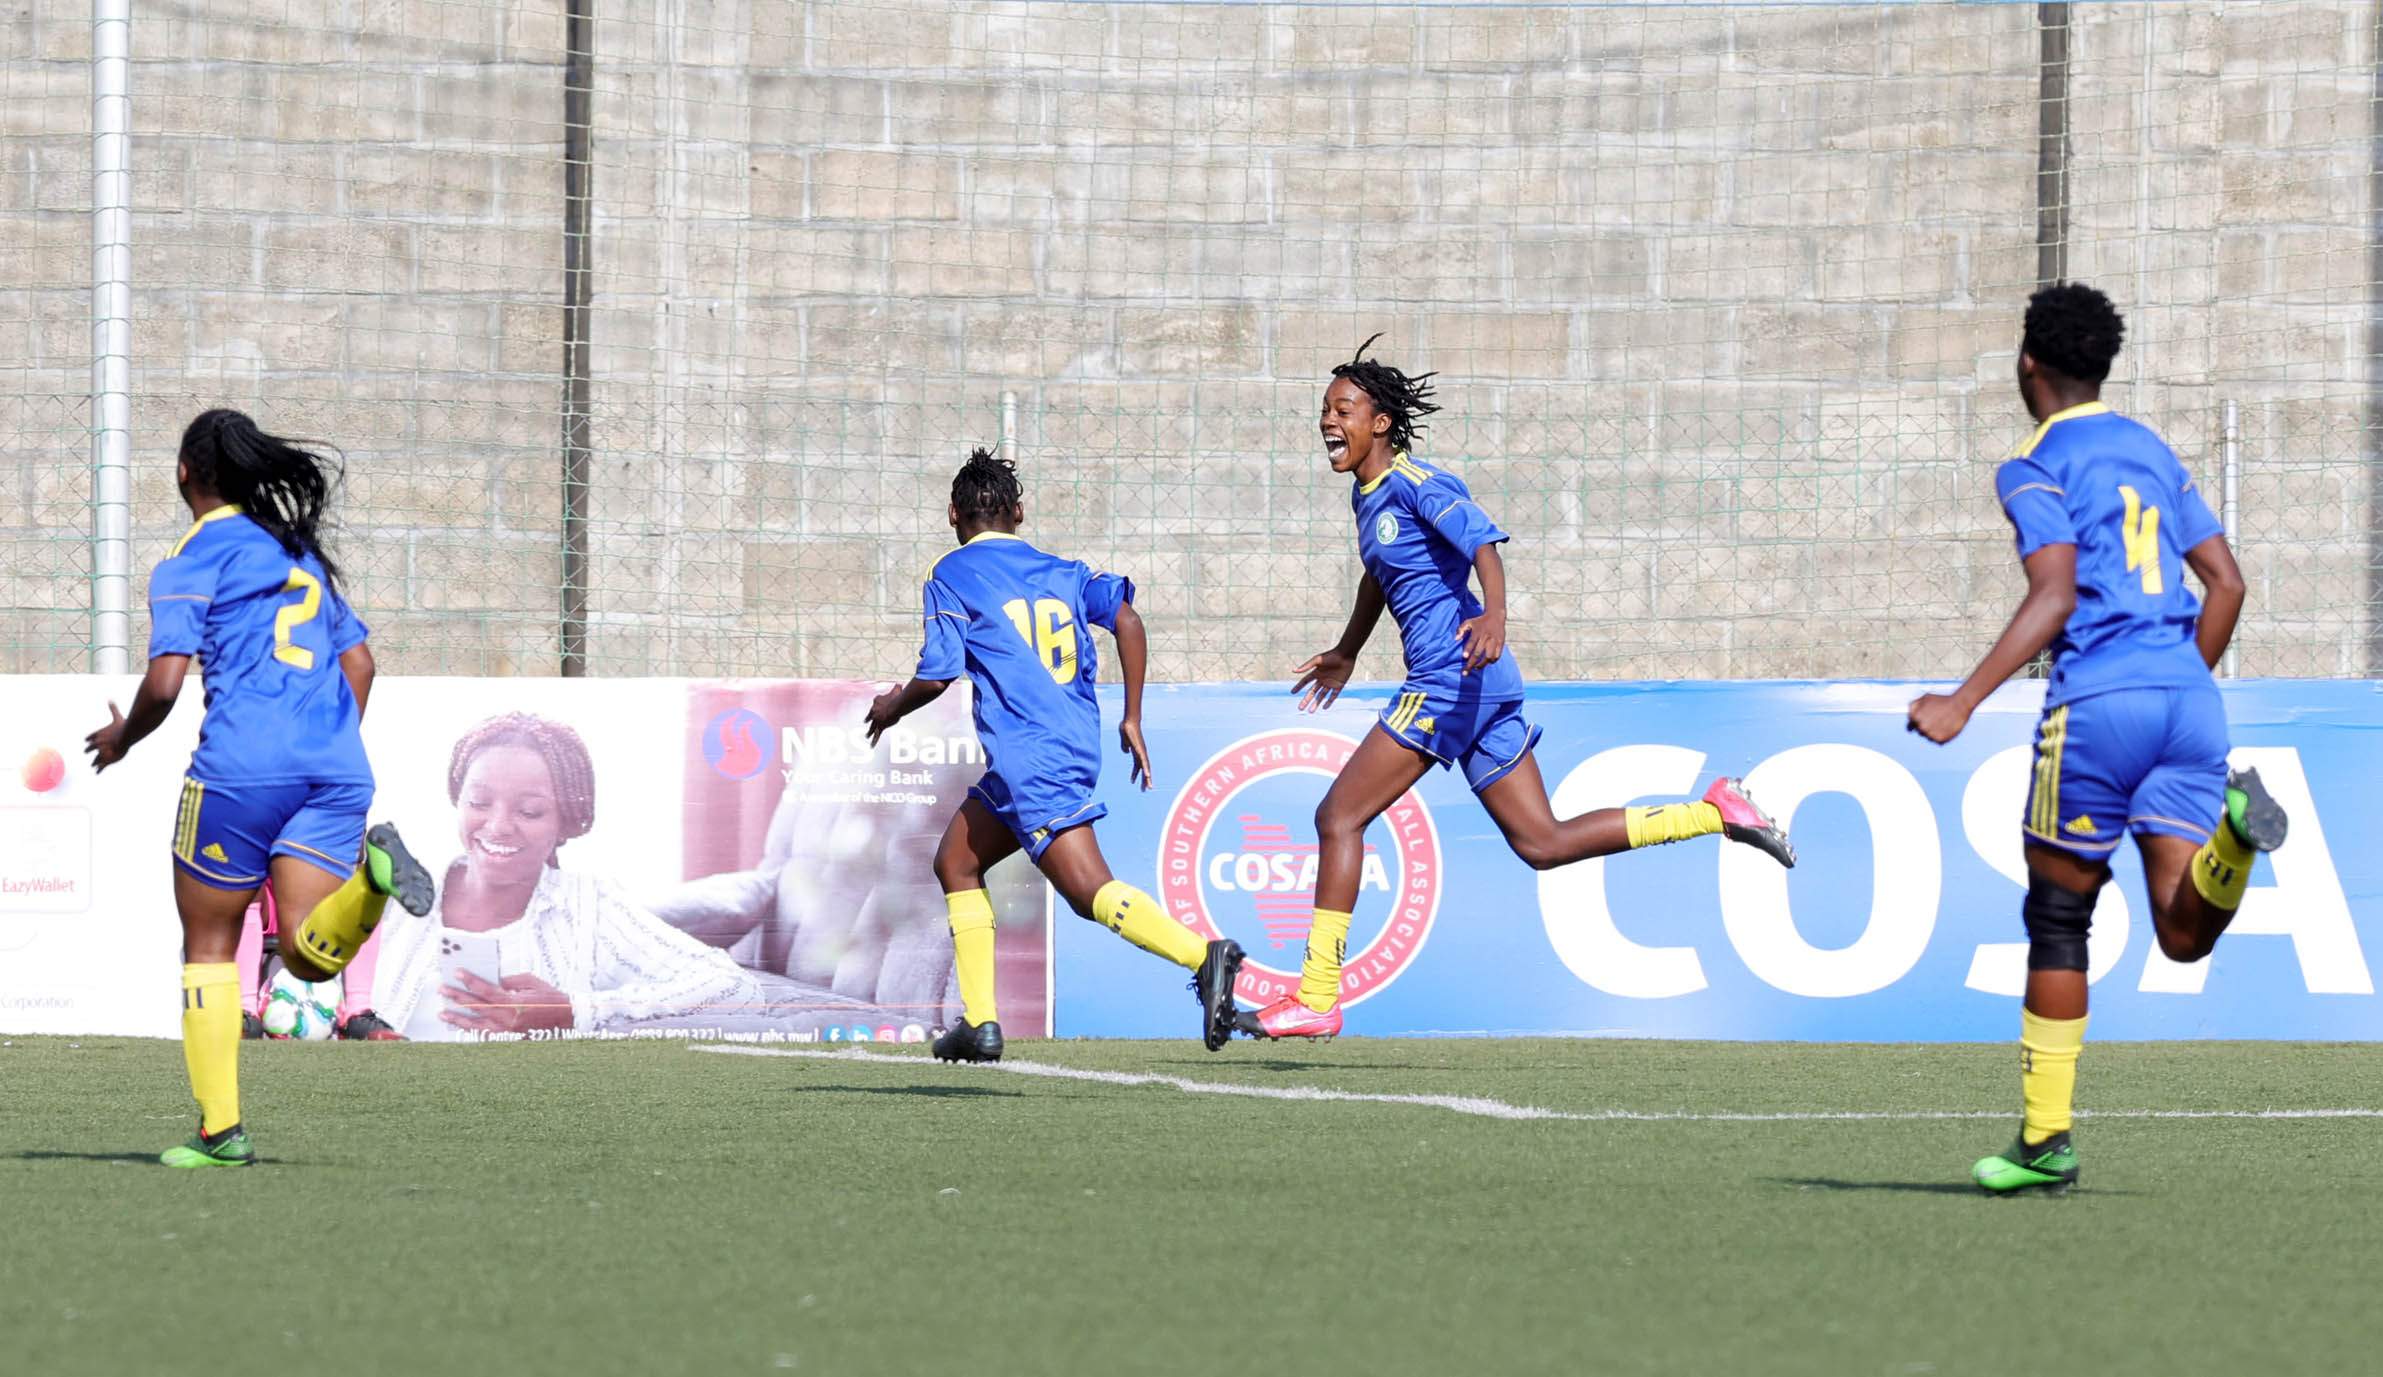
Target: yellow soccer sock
[
  {"x": 1327, "y": 944},
  {"x": 972, "y": 948},
  {"x": 333, "y": 934},
  {"x": 1136, "y": 917},
  {"x": 2222, "y": 868},
  {"x": 1670, "y": 822},
  {"x": 2048, "y": 1050},
  {"x": 211, "y": 1041}
]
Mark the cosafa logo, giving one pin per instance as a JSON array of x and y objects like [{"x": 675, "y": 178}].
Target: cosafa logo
[
  {"x": 735, "y": 743},
  {"x": 1238, "y": 859}
]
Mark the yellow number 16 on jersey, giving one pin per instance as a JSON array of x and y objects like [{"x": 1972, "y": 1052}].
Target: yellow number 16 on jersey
[{"x": 1051, "y": 630}]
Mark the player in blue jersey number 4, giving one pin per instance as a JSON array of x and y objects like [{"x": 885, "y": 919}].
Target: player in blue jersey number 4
[
  {"x": 1015, "y": 621},
  {"x": 2133, "y": 735},
  {"x": 278, "y": 787},
  {"x": 1422, "y": 539}
]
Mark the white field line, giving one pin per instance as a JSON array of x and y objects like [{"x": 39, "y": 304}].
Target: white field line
[{"x": 1485, "y": 1108}]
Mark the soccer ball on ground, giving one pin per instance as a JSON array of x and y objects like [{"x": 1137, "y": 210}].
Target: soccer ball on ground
[{"x": 296, "y": 1009}]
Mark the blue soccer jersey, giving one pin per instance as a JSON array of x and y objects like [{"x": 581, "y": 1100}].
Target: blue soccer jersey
[
  {"x": 267, "y": 630},
  {"x": 1018, "y": 623},
  {"x": 2092, "y": 478},
  {"x": 1418, "y": 530}
]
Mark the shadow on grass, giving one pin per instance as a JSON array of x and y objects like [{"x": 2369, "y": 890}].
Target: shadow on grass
[
  {"x": 1224, "y": 1062},
  {"x": 48, "y": 1155},
  {"x": 1913, "y": 1187},
  {"x": 933, "y": 1092}
]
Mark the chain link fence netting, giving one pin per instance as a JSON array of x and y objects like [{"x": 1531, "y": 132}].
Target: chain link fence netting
[{"x": 1724, "y": 301}]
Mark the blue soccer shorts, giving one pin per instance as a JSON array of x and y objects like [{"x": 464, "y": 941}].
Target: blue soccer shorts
[
  {"x": 1037, "y": 815},
  {"x": 2146, "y": 760},
  {"x": 1487, "y": 739},
  {"x": 226, "y": 835}
]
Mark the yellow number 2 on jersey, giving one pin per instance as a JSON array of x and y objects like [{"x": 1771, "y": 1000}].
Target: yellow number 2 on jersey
[
  {"x": 2141, "y": 531},
  {"x": 1050, "y": 630},
  {"x": 294, "y": 615}
]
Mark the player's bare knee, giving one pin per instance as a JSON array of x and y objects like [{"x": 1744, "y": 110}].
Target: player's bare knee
[
  {"x": 2058, "y": 922},
  {"x": 1333, "y": 823},
  {"x": 1537, "y": 852},
  {"x": 2181, "y": 946}
]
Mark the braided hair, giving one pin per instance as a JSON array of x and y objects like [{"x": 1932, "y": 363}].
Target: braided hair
[
  {"x": 566, "y": 760},
  {"x": 2074, "y": 330},
  {"x": 1406, "y": 401},
  {"x": 280, "y": 484},
  {"x": 986, "y": 489}
]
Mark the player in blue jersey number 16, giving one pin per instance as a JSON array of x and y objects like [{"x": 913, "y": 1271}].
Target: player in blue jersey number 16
[
  {"x": 1014, "y": 620},
  {"x": 1422, "y": 538},
  {"x": 278, "y": 787},
  {"x": 2133, "y": 733}
]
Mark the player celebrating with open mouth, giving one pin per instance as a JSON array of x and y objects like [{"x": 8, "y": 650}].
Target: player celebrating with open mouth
[
  {"x": 1421, "y": 538},
  {"x": 2133, "y": 736},
  {"x": 1011, "y": 618},
  {"x": 279, "y": 785}
]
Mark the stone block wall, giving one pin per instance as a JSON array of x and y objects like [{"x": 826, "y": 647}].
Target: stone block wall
[{"x": 1723, "y": 300}]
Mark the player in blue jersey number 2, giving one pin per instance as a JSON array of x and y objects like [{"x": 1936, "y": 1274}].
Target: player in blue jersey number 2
[
  {"x": 1422, "y": 539},
  {"x": 278, "y": 787},
  {"x": 1014, "y": 620},
  {"x": 2133, "y": 734}
]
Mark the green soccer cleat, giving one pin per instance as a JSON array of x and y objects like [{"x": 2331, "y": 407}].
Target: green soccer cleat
[
  {"x": 229, "y": 1148},
  {"x": 392, "y": 870},
  {"x": 2253, "y": 813},
  {"x": 2049, "y": 1165}
]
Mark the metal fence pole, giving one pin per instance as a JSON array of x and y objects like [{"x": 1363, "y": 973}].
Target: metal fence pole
[
  {"x": 111, "y": 336},
  {"x": 579, "y": 78}
]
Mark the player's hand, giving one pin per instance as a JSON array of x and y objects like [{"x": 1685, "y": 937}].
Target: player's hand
[
  {"x": 882, "y": 714},
  {"x": 517, "y": 1004},
  {"x": 1323, "y": 677},
  {"x": 1938, "y": 716},
  {"x": 1129, "y": 740},
  {"x": 1484, "y": 639},
  {"x": 107, "y": 744}
]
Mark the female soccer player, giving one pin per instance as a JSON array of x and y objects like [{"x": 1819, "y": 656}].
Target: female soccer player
[
  {"x": 278, "y": 787},
  {"x": 2133, "y": 736},
  {"x": 1013, "y": 618},
  {"x": 1420, "y": 534}
]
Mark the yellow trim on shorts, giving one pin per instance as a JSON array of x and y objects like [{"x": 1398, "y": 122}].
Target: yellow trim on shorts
[
  {"x": 335, "y": 862},
  {"x": 186, "y": 822},
  {"x": 2172, "y": 822},
  {"x": 2044, "y": 809}
]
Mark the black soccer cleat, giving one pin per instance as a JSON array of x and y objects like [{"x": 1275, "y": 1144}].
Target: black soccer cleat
[
  {"x": 392, "y": 870},
  {"x": 970, "y": 1042},
  {"x": 251, "y": 1027},
  {"x": 2253, "y": 813},
  {"x": 366, "y": 1026},
  {"x": 1214, "y": 985}
]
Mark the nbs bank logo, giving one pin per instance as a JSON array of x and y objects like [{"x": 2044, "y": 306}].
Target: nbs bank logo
[
  {"x": 1237, "y": 858},
  {"x": 733, "y": 743}
]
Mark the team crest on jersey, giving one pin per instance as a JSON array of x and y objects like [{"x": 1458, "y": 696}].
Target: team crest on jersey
[
  {"x": 1386, "y": 528},
  {"x": 1237, "y": 858}
]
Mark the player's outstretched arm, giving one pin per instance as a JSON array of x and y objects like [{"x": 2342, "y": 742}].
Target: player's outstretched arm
[
  {"x": 2051, "y": 597},
  {"x": 356, "y": 663},
  {"x": 150, "y": 704},
  {"x": 895, "y": 704},
  {"x": 1133, "y": 656},
  {"x": 1484, "y": 637},
  {"x": 2212, "y": 562},
  {"x": 1324, "y": 676}
]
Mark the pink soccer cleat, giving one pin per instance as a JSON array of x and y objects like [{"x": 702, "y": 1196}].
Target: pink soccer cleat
[
  {"x": 1289, "y": 1017},
  {"x": 1741, "y": 821}
]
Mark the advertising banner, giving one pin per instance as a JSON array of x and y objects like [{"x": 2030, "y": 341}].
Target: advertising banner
[
  {"x": 1900, "y": 922},
  {"x": 618, "y": 857}
]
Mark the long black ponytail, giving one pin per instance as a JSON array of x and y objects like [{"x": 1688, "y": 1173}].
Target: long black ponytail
[{"x": 281, "y": 485}]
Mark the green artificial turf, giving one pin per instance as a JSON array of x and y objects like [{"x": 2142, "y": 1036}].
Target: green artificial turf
[{"x": 644, "y": 1208}]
